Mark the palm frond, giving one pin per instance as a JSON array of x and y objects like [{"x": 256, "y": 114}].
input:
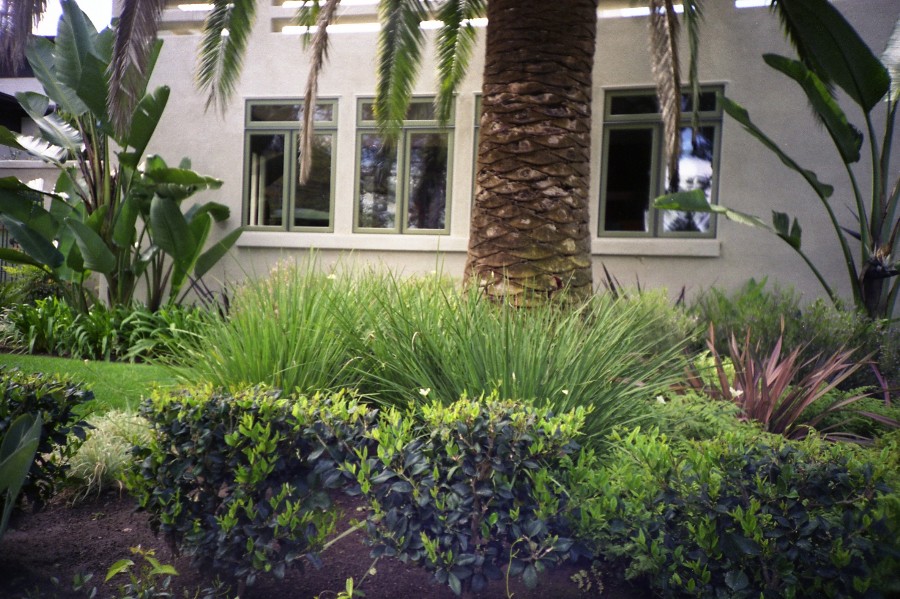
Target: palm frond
[
  {"x": 222, "y": 49},
  {"x": 455, "y": 42},
  {"x": 667, "y": 74},
  {"x": 138, "y": 24},
  {"x": 318, "y": 43},
  {"x": 17, "y": 18},
  {"x": 693, "y": 17},
  {"x": 399, "y": 55}
]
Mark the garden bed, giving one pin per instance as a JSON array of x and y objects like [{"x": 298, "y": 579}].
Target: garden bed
[{"x": 42, "y": 554}]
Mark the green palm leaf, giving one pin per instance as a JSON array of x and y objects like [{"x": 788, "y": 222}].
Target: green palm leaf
[
  {"x": 40, "y": 53},
  {"x": 667, "y": 74},
  {"x": 16, "y": 22},
  {"x": 455, "y": 41},
  {"x": 222, "y": 48},
  {"x": 693, "y": 17},
  {"x": 399, "y": 55}
]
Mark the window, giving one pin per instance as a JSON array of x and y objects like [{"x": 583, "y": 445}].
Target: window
[
  {"x": 634, "y": 170},
  {"x": 274, "y": 197},
  {"x": 403, "y": 186}
]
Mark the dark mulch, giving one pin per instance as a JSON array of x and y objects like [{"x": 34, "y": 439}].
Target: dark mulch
[{"x": 43, "y": 552}]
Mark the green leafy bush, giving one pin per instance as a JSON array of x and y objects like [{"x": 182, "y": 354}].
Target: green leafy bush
[
  {"x": 26, "y": 284},
  {"x": 466, "y": 489},
  {"x": 18, "y": 444},
  {"x": 238, "y": 480},
  {"x": 53, "y": 326},
  {"x": 740, "y": 515},
  {"x": 820, "y": 328},
  {"x": 58, "y": 403},
  {"x": 694, "y": 415}
]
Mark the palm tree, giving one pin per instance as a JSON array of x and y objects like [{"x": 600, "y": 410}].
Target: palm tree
[{"x": 529, "y": 234}]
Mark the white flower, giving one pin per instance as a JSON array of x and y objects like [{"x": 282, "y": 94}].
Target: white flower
[
  {"x": 424, "y": 392},
  {"x": 331, "y": 277},
  {"x": 736, "y": 392},
  {"x": 660, "y": 399},
  {"x": 565, "y": 391}
]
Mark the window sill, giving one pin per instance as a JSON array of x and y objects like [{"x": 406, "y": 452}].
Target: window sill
[
  {"x": 23, "y": 164},
  {"x": 666, "y": 247},
  {"x": 683, "y": 248}
]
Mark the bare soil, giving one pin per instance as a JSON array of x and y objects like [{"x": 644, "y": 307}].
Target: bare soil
[{"x": 42, "y": 554}]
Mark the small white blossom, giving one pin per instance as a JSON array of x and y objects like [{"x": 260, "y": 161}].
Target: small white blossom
[{"x": 424, "y": 392}]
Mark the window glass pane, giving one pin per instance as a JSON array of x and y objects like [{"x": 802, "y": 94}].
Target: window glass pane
[
  {"x": 367, "y": 111},
  {"x": 323, "y": 112},
  {"x": 637, "y": 104},
  {"x": 420, "y": 111},
  {"x": 695, "y": 171},
  {"x": 628, "y": 179},
  {"x": 377, "y": 183},
  {"x": 427, "y": 180},
  {"x": 275, "y": 112},
  {"x": 266, "y": 179},
  {"x": 312, "y": 201}
]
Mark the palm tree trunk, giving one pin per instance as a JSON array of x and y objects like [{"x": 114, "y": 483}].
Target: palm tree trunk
[{"x": 530, "y": 234}]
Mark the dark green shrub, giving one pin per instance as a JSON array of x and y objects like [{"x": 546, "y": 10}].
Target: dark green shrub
[
  {"x": 238, "y": 481},
  {"x": 466, "y": 489},
  {"x": 58, "y": 403},
  {"x": 742, "y": 515}
]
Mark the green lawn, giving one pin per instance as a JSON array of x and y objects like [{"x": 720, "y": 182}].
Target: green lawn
[{"x": 116, "y": 385}]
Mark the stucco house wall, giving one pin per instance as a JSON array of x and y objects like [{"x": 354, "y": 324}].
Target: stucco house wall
[{"x": 749, "y": 178}]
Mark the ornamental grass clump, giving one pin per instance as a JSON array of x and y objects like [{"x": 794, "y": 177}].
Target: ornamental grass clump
[
  {"x": 604, "y": 353},
  {"x": 283, "y": 330}
]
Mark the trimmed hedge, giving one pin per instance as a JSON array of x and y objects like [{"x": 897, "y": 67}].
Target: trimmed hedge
[
  {"x": 239, "y": 481},
  {"x": 466, "y": 489},
  {"x": 740, "y": 515}
]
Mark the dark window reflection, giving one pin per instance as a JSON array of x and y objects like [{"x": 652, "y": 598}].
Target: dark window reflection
[
  {"x": 266, "y": 179},
  {"x": 312, "y": 201},
  {"x": 377, "y": 193},
  {"x": 628, "y": 179},
  {"x": 427, "y": 180}
]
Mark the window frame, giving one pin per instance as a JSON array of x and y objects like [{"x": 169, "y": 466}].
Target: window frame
[
  {"x": 291, "y": 130},
  {"x": 409, "y": 128},
  {"x": 652, "y": 121}
]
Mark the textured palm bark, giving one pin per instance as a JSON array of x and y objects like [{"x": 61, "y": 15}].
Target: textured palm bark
[{"x": 530, "y": 234}]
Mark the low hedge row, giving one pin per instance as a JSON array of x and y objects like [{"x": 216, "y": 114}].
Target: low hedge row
[{"x": 468, "y": 490}]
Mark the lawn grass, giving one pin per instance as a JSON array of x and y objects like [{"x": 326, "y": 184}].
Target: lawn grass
[{"x": 116, "y": 385}]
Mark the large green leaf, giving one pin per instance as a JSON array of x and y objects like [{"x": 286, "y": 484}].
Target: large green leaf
[
  {"x": 40, "y": 56},
  {"x": 143, "y": 124},
  {"x": 17, "y": 257},
  {"x": 169, "y": 229},
  {"x": 200, "y": 227},
  {"x": 24, "y": 204},
  {"x": 695, "y": 201},
  {"x": 36, "y": 147},
  {"x": 55, "y": 129},
  {"x": 125, "y": 228},
  {"x": 210, "y": 257},
  {"x": 847, "y": 138},
  {"x": 75, "y": 39},
  {"x": 740, "y": 114},
  {"x": 833, "y": 49},
  {"x": 219, "y": 212},
  {"x": 97, "y": 256},
  {"x": 176, "y": 184},
  {"x": 783, "y": 227},
  {"x": 32, "y": 242},
  {"x": 17, "y": 449},
  {"x": 92, "y": 89}
]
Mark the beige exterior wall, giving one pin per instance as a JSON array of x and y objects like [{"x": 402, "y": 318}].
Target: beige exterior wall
[{"x": 750, "y": 178}]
